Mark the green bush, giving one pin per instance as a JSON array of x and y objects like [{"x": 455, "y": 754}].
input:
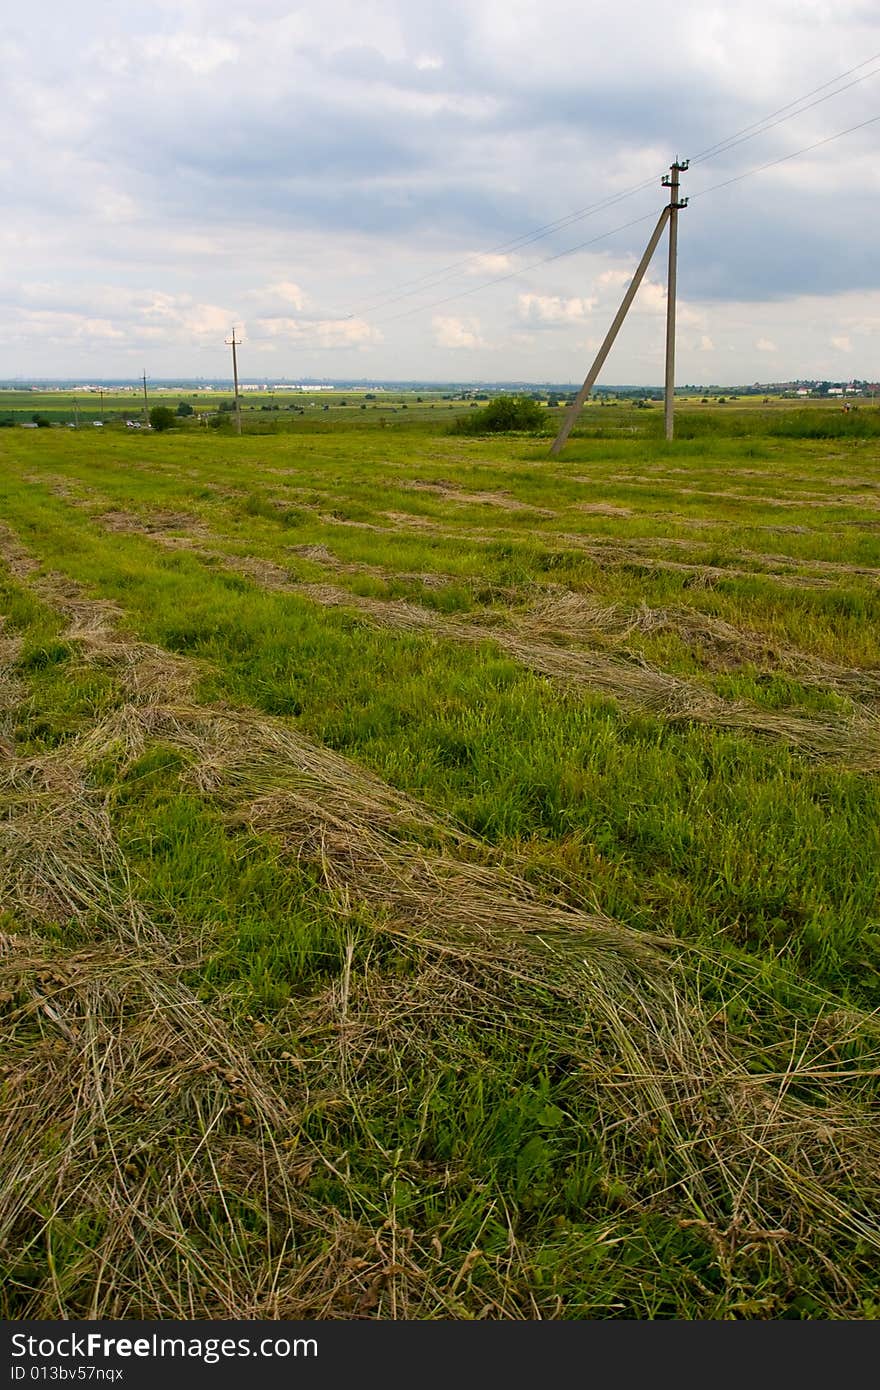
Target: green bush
[
  {"x": 162, "y": 417},
  {"x": 501, "y": 415}
]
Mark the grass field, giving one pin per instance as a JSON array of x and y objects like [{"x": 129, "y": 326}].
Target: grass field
[{"x": 439, "y": 881}]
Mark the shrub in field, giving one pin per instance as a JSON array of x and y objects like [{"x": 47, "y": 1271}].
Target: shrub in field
[
  {"x": 185, "y": 409},
  {"x": 504, "y": 414},
  {"x": 162, "y": 417}
]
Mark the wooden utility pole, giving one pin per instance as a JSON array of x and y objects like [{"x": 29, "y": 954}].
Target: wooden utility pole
[
  {"x": 234, "y": 342},
  {"x": 574, "y": 409},
  {"x": 670, "y": 181},
  {"x": 146, "y": 405}
]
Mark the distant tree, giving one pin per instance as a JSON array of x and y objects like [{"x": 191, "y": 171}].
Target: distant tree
[
  {"x": 162, "y": 417},
  {"x": 42, "y": 421},
  {"x": 185, "y": 409},
  {"x": 504, "y": 414}
]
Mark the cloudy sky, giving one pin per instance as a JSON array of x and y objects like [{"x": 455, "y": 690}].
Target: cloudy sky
[{"x": 357, "y": 185}]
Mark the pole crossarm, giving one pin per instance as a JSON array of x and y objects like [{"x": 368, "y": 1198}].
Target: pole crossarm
[{"x": 574, "y": 409}]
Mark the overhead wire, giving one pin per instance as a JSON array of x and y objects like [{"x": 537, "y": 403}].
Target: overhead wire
[
  {"x": 798, "y": 106},
  {"x": 423, "y": 284},
  {"x": 571, "y": 250}
]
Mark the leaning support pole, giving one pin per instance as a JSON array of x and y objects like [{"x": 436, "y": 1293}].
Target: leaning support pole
[
  {"x": 670, "y": 181},
  {"x": 574, "y": 409}
]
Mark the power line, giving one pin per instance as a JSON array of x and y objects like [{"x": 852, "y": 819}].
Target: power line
[
  {"x": 407, "y": 288},
  {"x": 571, "y": 250},
  {"x": 506, "y": 247},
  {"x": 759, "y": 169},
  {"x": 723, "y": 145},
  {"x": 431, "y": 280}
]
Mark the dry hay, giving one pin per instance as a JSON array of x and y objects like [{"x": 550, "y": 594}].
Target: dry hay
[
  {"x": 320, "y": 554},
  {"x": 634, "y": 684},
  {"x": 724, "y": 646},
  {"x": 156, "y": 1161},
  {"x": 72, "y": 491},
  {"x": 740, "y": 1153},
  {"x": 629, "y": 555},
  {"x": 143, "y": 1167},
  {"x": 602, "y": 509},
  {"x": 452, "y": 492},
  {"x": 153, "y": 522},
  {"x": 143, "y": 669}
]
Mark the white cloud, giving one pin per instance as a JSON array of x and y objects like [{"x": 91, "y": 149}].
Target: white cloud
[
  {"x": 320, "y": 333},
  {"x": 457, "y": 333},
  {"x": 488, "y": 263},
  {"x": 614, "y": 279},
  {"x": 552, "y": 309},
  {"x": 288, "y": 293},
  {"x": 651, "y": 297},
  {"x": 198, "y": 53},
  {"x": 210, "y": 163}
]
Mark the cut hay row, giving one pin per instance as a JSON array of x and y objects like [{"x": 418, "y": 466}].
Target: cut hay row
[
  {"x": 615, "y": 554},
  {"x": 633, "y": 552},
  {"x": 158, "y": 1113},
  {"x": 634, "y": 685},
  {"x": 577, "y": 615},
  {"x": 854, "y": 740},
  {"x": 163, "y": 1162}
]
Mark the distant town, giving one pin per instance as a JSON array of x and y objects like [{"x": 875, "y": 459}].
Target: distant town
[{"x": 790, "y": 390}]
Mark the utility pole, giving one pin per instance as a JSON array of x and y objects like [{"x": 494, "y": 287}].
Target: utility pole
[
  {"x": 234, "y": 342},
  {"x": 671, "y": 181},
  {"x": 574, "y": 409},
  {"x": 75, "y": 413},
  {"x": 146, "y": 404},
  {"x": 101, "y": 393}
]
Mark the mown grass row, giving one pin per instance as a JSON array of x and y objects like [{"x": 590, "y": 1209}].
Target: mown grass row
[
  {"x": 467, "y": 1135},
  {"x": 450, "y": 1150},
  {"x": 715, "y": 836}
]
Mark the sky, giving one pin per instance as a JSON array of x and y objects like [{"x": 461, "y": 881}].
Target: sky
[{"x": 353, "y": 186}]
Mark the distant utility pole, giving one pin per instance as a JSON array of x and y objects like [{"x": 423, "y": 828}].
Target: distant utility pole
[
  {"x": 234, "y": 342},
  {"x": 75, "y": 413},
  {"x": 101, "y": 393},
  {"x": 670, "y": 181},
  {"x": 670, "y": 210},
  {"x": 146, "y": 404}
]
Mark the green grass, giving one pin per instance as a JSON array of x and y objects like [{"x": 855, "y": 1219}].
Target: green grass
[{"x": 466, "y": 1120}]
